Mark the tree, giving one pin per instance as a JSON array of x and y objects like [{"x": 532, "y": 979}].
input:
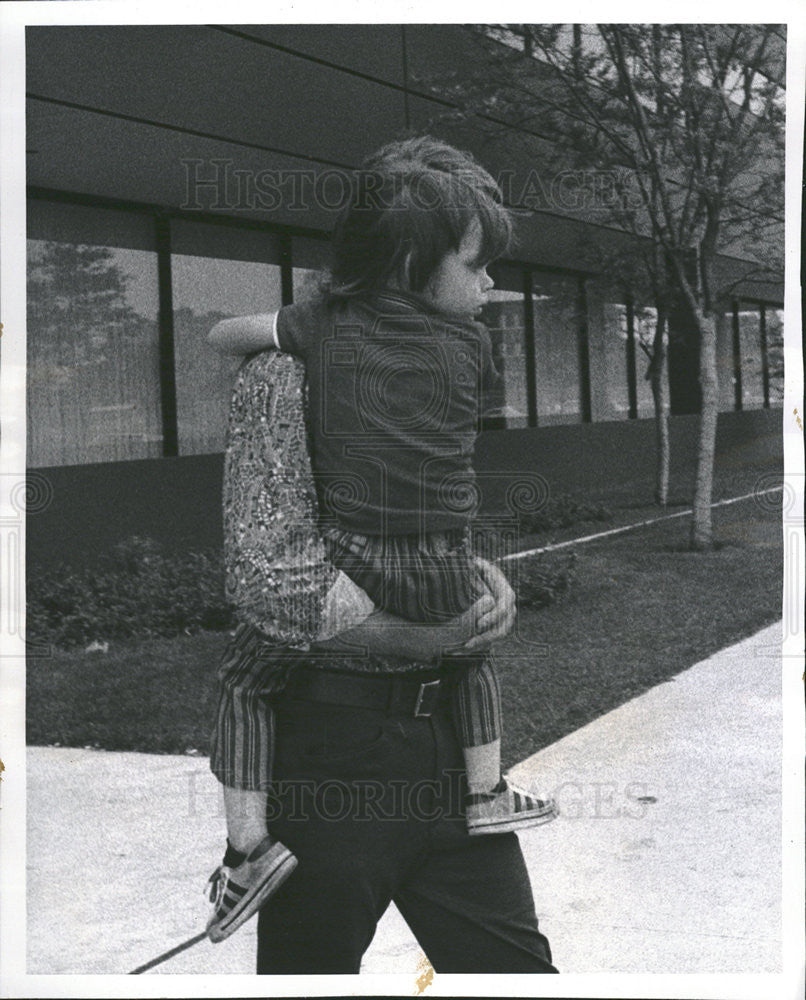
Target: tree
[
  {"x": 643, "y": 280},
  {"x": 88, "y": 352},
  {"x": 691, "y": 119},
  {"x": 77, "y": 298}
]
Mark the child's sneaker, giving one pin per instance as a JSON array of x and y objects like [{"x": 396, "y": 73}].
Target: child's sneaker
[
  {"x": 238, "y": 893},
  {"x": 507, "y": 808}
]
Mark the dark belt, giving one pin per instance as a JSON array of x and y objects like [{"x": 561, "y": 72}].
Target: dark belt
[{"x": 416, "y": 696}]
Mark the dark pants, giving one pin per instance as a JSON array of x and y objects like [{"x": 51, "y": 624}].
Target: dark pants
[{"x": 371, "y": 805}]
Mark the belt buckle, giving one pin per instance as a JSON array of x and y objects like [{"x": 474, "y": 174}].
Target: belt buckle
[{"x": 426, "y": 699}]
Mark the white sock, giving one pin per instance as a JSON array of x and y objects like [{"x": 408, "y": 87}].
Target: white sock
[{"x": 483, "y": 765}]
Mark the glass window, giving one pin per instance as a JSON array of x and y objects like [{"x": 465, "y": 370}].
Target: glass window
[
  {"x": 775, "y": 353},
  {"x": 614, "y": 362},
  {"x": 309, "y": 257},
  {"x": 645, "y": 323},
  {"x": 616, "y": 347},
  {"x": 511, "y": 35},
  {"x": 726, "y": 377},
  {"x": 217, "y": 272},
  {"x": 556, "y": 311},
  {"x": 93, "y": 339},
  {"x": 504, "y": 317},
  {"x": 750, "y": 353}
]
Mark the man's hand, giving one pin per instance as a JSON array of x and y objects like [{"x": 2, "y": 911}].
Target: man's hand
[
  {"x": 496, "y": 622},
  {"x": 387, "y": 635},
  {"x": 490, "y": 618}
]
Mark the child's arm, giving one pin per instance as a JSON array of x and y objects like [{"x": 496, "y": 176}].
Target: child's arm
[{"x": 244, "y": 334}]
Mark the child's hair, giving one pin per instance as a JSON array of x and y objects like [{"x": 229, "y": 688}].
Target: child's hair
[{"x": 412, "y": 202}]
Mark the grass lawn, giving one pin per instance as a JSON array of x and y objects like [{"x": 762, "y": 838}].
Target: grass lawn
[{"x": 643, "y": 609}]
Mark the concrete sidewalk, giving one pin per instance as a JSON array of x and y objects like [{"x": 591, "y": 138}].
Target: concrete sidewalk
[{"x": 667, "y": 858}]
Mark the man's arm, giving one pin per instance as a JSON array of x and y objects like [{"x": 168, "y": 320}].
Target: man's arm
[
  {"x": 277, "y": 572},
  {"x": 244, "y": 334},
  {"x": 385, "y": 635}
]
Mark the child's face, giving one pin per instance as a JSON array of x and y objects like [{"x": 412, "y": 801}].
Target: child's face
[{"x": 459, "y": 286}]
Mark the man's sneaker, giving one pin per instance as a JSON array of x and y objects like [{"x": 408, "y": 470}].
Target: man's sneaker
[
  {"x": 507, "y": 808},
  {"x": 238, "y": 893}
]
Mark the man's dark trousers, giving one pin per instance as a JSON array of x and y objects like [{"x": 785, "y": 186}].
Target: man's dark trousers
[{"x": 370, "y": 803}]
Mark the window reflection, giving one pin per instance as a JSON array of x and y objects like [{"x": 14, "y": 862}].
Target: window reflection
[
  {"x": 93, "y": 342},
  {"x": 557, "y": 317},
  {"x": 94, "y": 346},
  {"x": 614, "y": 375},
  {"x": 217, "y": 272},
  {"x": 206, "y": 290},
  {"x": 726, "y": 377},
  {"x": 617, "y": 402},
  {"x": 504, "y": 317},
  {"x": 750, "y": 353},
  {"x": 645, "y": 324},
  {"x": 775, "y": 354},
  {"x": 310, "y": 258}
]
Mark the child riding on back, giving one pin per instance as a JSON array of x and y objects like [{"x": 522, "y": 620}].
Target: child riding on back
[{"x": 397, "y": 369}]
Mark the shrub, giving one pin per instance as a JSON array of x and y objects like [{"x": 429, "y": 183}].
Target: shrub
[
  {"x": 562, "y": 511},
  {"x": 540, "y": 580},
  {"x": 138, "y": 589}
]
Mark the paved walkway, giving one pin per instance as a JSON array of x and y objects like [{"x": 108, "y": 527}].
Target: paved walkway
[{"x": 667, "y": 858}]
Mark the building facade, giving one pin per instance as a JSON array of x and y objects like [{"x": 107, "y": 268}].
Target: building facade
[{"x": 181, "y": 174}]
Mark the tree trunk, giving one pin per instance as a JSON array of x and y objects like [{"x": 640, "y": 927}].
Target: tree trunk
[
  {"x": 660, "y": 397},
  {"x": 701, "y": 527}
]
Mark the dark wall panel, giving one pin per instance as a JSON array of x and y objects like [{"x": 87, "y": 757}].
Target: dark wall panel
[
  {"x": 238, "y": 91},
  {"x": 217, "y": 84},
  {"x": 79, "y": 151},
  {"x": 173, "y": 500},
  {"x": 435, "y": 50},
  {"x": 373, "y": 49},
  {"x": 615, "y": 461},
  {"x": 177, "y": 501}
]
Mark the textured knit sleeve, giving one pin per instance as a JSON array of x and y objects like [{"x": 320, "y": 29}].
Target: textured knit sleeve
[
  {"x": 277, "y": 575},
  {"x": 285, "y": 592}
]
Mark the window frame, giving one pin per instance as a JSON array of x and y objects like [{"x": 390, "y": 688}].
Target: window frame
[
  {"x": 762, "y": 305},
  {"x": 528, "y": 271},
  {"x": 161, "y": 219}
]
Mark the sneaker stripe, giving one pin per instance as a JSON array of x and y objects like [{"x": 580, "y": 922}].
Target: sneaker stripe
[{"x": 515, "y": 821}]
